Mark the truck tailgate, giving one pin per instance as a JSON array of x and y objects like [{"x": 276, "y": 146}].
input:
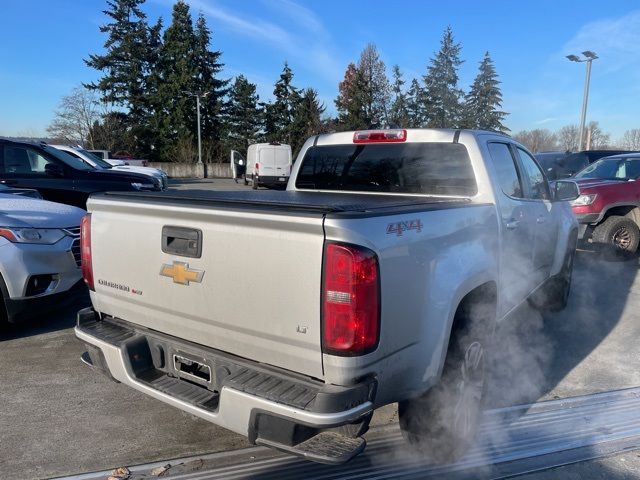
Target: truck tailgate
[{"x": 253, "y": 292}]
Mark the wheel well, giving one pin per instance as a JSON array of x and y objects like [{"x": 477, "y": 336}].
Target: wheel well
[
  {"x": 4, "y": 293},
  {"x": 477, "y": 309},
  {"x": 630, "y": 211}
]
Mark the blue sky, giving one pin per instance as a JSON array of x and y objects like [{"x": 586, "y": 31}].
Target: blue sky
[{"x": 43, "y": 44}]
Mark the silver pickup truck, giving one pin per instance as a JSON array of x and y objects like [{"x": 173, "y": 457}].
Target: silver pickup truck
[{"x": 376, "y": 277}]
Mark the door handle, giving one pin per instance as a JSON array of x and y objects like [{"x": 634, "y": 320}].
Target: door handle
[
  {"x": 512, "y": 224},
  {"x": 540, "y": 220}
]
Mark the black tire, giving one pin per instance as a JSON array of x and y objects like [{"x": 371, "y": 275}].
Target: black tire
[
  {"x": 244, "y": 179},
  {"x": 617, "y": 236},
  {"x": 4, "y": 317},
  {"x": 554, "y": 295},
  {"x": 442, "y": 423},
  {"x": 254, "y": 183}
]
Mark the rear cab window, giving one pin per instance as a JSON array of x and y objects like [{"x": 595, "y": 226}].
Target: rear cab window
[{"x": 407, "y": 168}]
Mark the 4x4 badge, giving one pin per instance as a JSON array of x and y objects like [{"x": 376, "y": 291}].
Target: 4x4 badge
[{"x": 181, "y": 273}]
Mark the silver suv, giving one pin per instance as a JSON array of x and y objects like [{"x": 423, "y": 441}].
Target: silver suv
[{"x": 39, "y": 256}]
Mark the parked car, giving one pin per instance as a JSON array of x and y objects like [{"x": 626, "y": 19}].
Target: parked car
[
  {"x": 39, "y": 256},
  {"x": 119, "y": 159},
  {"x": 101, "y": 164},
  {"x": 399, "y": 250},
  {"x": 268, "y": 164},
  {"x": 608, "y": 207},
  {"x": 549, "y": 161},
  {"x": 60, "y": 177},
  {"x": 570, "y": 164}
]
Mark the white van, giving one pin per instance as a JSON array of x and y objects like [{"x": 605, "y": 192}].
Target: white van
[{"x": 268, "y": 164}]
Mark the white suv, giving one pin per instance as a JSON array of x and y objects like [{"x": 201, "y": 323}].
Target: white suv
[{"x": 96, "y": 162}]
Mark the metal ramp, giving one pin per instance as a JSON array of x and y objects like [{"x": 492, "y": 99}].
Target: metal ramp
[{"x": 512, "y": 441}]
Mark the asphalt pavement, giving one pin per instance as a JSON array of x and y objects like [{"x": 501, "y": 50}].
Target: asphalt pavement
[{"x": 59, "y": 418}]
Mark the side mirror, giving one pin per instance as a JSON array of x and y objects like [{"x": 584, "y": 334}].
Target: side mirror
[
  {"x": 565, "y": 191},
  {"x": 53, "y": 170}
]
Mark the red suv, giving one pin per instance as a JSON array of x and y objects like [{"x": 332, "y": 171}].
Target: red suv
[{"x": 608, "y": 208}]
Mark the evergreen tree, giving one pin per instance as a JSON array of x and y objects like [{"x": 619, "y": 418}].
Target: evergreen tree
[
  {"x": 127, "y": 62},
  {"x": 399, "y": 114},
  {"x": 307, "y": 119},
  {"x": 281, "y": 111},
  {"x": 178, "y": 76},
  {"x": 416, "y": 105},
  {"x": 348, "y": 103},
  {"x": 484, "y": 101},
  {"x": 372, "y": 86},
  {"x": 208, "y": 67},
  {"x": 244, "y": 115},
  {"x": 444, "y": 98}
]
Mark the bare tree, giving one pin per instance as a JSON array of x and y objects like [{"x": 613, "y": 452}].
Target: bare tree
[
  {"x": 569, "y": 138},
  {"x": 538, "y": 140},
  {"x": 76, "y": 114},
  {"x": 597, "y": 139},
  {"x": 631, "y": 139}
]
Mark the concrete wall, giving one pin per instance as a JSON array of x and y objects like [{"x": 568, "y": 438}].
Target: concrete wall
[
  {"x": 218, "y": 170},
  {"x": 193, "y": 170}
]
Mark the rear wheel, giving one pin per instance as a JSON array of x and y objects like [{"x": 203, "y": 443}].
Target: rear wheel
[
  {"x": 254, "y": 184},
  {"x": 442, "y": 423},
  {"x": 244, "y": 179},
  {"x": 554, "y": 295},
  {"x": 617, "y": 236}
]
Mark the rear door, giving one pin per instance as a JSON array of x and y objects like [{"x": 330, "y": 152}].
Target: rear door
[
  {"x": 228, "y": 279},
  {"x": 267, "y": 161},
  {"x": 518, "y": 228},
  {"x": 282, "y": 161},
  {"x": 546, "y": 227}
]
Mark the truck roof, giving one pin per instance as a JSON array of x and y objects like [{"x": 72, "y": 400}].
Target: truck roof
[{"x": 413, "y": 135}]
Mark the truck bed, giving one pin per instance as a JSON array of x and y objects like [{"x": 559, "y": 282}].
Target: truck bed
[{"x": 333, "y": 204}]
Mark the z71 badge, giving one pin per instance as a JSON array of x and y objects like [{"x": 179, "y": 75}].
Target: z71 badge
[{"x": 400, "y": 227}]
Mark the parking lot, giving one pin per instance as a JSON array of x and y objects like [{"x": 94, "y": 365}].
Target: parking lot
[{"x": 60, "y": 418}]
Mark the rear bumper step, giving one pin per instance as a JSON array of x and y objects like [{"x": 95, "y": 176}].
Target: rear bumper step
[{"x": 237, "y": 394}]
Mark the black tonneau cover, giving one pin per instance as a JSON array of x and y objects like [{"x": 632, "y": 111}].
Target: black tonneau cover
[{"x": 313, "y": 202}]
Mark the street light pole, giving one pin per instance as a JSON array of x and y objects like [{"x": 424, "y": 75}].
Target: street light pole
[
  {"x": 199, "y": 138},
  {"x": 198, "y": 97},
  {"x": 590, "y": 57}
]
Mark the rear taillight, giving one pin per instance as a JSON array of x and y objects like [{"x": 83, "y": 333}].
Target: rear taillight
[
  {"x": 350, "y": 300},
  {"x": 257, "y": 167},
  {"x": 85, "y": 250},
  {"x": 380, "y": 136}
]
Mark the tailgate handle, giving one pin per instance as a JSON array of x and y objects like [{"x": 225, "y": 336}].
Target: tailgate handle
[{"x": 186, "y": 242}]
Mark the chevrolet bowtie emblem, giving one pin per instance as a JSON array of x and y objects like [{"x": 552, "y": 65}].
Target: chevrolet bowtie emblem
[{"x": 181, "y": 273}]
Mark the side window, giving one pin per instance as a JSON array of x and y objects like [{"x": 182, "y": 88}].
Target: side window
[
  {"x": 538, "y": 188},
  {"x": 506, "y": 169},
  {"x": 22, "y": 160},
  {"x": 632, "y": 168}
]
